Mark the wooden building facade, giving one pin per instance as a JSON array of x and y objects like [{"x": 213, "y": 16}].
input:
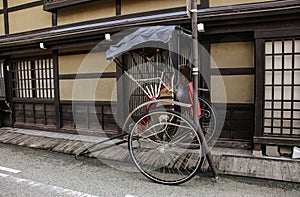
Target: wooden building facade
[{"x": 255, "y": 45}]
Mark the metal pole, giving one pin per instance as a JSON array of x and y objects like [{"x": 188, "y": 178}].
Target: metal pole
[{"x": 196, "y": 81}]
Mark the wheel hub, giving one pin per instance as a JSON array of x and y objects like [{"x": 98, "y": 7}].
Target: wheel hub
[{"x": 163, "y": 149}]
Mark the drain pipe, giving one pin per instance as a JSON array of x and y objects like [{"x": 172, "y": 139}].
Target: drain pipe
[{"x": 196, "y": 82}]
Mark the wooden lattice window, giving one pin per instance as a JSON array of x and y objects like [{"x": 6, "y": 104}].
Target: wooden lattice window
[
  {"x": 2, "y": 81},
  {"x": 33, "y": 78},
  {"x": 282, "y": 87}
]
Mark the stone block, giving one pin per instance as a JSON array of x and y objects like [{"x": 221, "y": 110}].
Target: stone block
[
  {"x": 257, "y": 153},
  {"x": 285, "y": 151},
  {"x": 272, "y": 151}
]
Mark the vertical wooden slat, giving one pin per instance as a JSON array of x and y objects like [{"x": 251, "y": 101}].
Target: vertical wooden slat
[
  {"x": 118, "y": 7},
  {"x": 37, "y": 79},
  {"x": 282, "y": 86},
  {"x": 50, "y": 77},
  {"x": 24, "y": 79},
  {"x": 273, "y": 80},
  {"x": 43, "y": 77},
  {"x": 21, "y": 80},
  {"x": 293, "y": 87},
  {"x": 45, "y": 86},
  {"x": 33, "y": 80},
  {"x": 19, "y": 76},
  {"x": 54, "y": 18},
  {"x": 45, "y": 114},
  {"x": 27, "y": 70},
  {"x": 56, "y": 89},
  {"x": 40, "y": 82}
]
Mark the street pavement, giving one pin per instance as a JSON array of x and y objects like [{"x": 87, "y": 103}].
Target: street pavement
[{"x": 33, "y": 172}]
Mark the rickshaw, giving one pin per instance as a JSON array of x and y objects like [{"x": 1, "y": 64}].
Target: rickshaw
[{"x": 164, "y": 142}]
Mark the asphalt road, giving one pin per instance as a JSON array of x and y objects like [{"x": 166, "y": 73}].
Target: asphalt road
[{"x": 31, "y": 172}]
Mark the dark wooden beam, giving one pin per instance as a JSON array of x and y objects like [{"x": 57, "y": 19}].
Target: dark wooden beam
[
  {"x": 56, "y": 89},
  {"x": 118, "y": 7},
  {"x": 259, "y": 87},
  {"x": 25, "y": 6},
  {"x": 275, "y": 33},
  {"x": 54, "y": 19},
  {"x": 277, "y": 140},
  {"x": 5, "y": 12},
  {"x": 32, "y": 100},
  {"x": 213, "y": 17},
  {"x": 232, "y": 71},
  {"x": 228, "y": 37},
  {"x": 88, "y": 75},
  {"x": 51, "y": 5}
]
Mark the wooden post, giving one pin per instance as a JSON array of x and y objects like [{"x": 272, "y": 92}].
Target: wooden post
[{"x": 56, "y": 89}]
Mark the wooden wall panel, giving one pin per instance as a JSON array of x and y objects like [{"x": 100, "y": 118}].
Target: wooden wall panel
[
  {"x": 2, "y": 31},
  {"x": 239, "y": 88},
  {"x": 89, "y": 11},
  {"x": 239, "y": 122},
  {"x": 85, "y": 63},
  {"x": 35, "y": 114},
  {"x": 214, "y": 3},
  {"x": 232, "y": 55},
  {"x": 88, "y": 89},
  {"x": 29, "y": 19},
  {"x": 135, "y": 6},
  {"x": 88, "y": 115},
  {"x": 13, "y": 3}
]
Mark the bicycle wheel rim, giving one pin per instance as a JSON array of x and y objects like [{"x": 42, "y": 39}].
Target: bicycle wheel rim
[{"x": 169, "y": 160}]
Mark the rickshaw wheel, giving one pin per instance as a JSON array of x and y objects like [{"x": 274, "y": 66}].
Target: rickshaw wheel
[{"x": 166, "y": 147}]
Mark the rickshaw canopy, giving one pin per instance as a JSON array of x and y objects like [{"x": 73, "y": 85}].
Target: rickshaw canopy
[{"x": 139, "y": 37}]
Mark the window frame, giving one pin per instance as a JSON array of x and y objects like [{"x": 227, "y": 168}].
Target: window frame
[
  {"x": 33, "y": 78},
  {"x": 282, "y": 109},
  {"x": 261, "y": 36}
]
